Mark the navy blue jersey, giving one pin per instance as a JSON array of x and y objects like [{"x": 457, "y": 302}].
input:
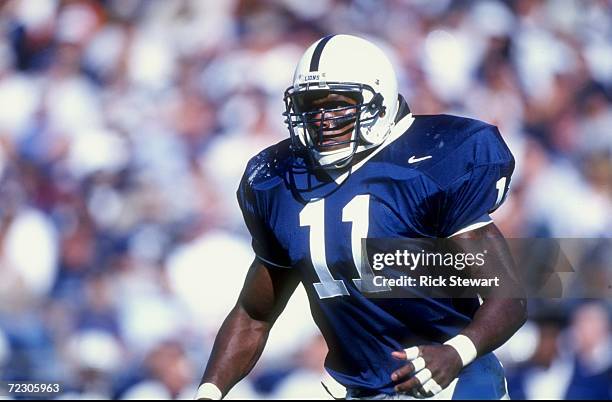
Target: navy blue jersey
[{"x": 434, "y": 176}]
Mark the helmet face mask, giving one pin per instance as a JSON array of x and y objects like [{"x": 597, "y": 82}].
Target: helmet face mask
[
  {"x": 345, "y": 107},
  {"x": 320, "y": 120}
]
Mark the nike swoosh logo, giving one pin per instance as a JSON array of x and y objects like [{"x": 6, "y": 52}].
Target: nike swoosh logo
[{"x": 413, "y": 159}]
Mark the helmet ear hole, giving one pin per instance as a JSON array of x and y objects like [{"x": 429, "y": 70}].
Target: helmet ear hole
[{"x": 376, "y": 104}]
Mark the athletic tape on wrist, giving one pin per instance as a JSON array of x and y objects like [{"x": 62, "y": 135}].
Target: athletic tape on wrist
[
  {"x": 209, "y": 391},
  {"x": 465, "y": 347}
]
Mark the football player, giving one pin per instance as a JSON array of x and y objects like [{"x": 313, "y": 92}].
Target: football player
[{"x": 358, "y": 165}]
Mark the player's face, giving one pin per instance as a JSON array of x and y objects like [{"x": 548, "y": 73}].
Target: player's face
[{"x": 333, "y": 118}]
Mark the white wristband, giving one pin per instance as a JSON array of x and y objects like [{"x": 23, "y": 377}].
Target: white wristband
[
  {"x": 209, "y": 391},
  {"x": 465, "y": 347}
]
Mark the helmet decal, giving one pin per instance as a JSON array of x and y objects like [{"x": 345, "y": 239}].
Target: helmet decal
[{"x": 316, "y": 55}]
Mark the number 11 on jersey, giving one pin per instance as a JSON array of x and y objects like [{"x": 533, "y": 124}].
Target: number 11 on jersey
[{"x": 313, "y": 216}]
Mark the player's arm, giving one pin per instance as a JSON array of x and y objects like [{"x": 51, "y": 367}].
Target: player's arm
[
  {"x": 432, "y": 368},
  {"x": 244, "y": 333},
  {"x": 499, "y": 316}
]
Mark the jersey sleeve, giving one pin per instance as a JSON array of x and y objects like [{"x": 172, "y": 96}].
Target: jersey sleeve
[
  {"x": 482, "y": 168},
  {"x": 265, "y": 244}
]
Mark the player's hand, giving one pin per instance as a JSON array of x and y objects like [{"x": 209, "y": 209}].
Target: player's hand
[{"x": 429, "y": 370}]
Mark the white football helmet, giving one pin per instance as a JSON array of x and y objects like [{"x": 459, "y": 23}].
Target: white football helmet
[{"x": 353, "y": 67}]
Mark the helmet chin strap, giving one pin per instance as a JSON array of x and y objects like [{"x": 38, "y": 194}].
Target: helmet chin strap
[
  {"x": 331, "y": 158},
  {"x": 339, "y": 158}
]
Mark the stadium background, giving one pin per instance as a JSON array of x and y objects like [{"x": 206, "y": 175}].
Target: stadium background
[{"x": 125, "y": 126}]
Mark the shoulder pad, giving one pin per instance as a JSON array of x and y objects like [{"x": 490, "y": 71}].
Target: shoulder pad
[
  {"x": 267, "y": 165},
  {"x": 447, "y": 147}
]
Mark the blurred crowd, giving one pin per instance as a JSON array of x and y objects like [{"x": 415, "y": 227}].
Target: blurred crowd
[{"x": 125, "y": 126}]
